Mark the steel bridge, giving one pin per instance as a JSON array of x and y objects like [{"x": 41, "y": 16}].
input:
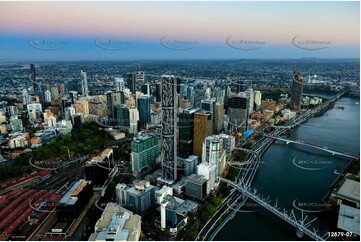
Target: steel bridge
[
  {"x": 301, "y": 225},
  {"x": 300, "y": 142}
]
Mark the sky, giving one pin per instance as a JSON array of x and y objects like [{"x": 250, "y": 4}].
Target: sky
[{"x": 35, "y": 31}]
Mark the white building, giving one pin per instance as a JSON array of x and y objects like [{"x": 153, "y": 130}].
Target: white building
[
  {"x": 51, "y": 121},
  {"x": 133, "y": 120},
  {"x": 288, "y": 114},
  {"x": 26, "y": 97},
  {"x": 209, "y": 172},
  {"x": 257, "y": 100},
  {"x": 117, "y": 224},
  {"x": 47, "y": 95},
  {"x": 250, "y": 98},
  {"x": 121, "y": 194},
  {"x": 65, "y": 126},
  {"x": 119, "y": 84},
  {"x": 161, "y": 193}
]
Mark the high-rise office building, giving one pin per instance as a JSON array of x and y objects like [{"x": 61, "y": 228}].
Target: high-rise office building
[
  {"x": 190, "y": 165},
  {"x": 210, "y": 172},
  {"x": 37, "y": 85},
  {"x": 169, "y": 121},
  {"x": 198, "y": 96},
  {"x": 190, "y": 95},
  {"x": 26, "y": 97},
  {"x": 158, "y": 92},
  {"x": 84, "y": 84},
  {"x": 141, "y": 197},
  {"x": 257, "y": 100},
  {"x": 133, "y": 120},
  {"x": 122, "y": 116},
  {"x": 209, "y": 105},
  {"x": 144, "y": 110},
  {"x": 250, "y": 98},
  {"x": 297, "y": 89},
  {"x": 146, "y": 89},
  {"x": 237, "y": 113},
  {"x": 119, "y": 84},
  {"x": 134, "y": 81},
  {"x": 186, "y": 132},
  {"x": 202, "y": 129},
  {"x": 218, "y": 117},
  {"x": 145, "y": 151},
  {"x": 121, "y": 194},
  {"x": 113, "y": 99},
  {"x": 196, "y": 186}
]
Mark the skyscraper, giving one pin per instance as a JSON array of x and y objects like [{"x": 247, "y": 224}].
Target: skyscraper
[
  {"x": 186, "y": 132},
  {"x": 250, "y": 98},
  {"x": 158, "y": 92},
  {"x": 218, "y": 117},
  {"x": 145, "y": 151},
  {"x": 38, "y": 87},
  {"x": 144, "y": 110},
  {"x": 190, "y": 95},
  {"x": 119, "y": 84},
  {"x": 113, "y": 99},
  {"x": 133, "y": 120},
  {"x": 209, "y": 105},
  {"x": 168, "y": 141},
  {"x": 122, "y": 116},
  {"x": 237, "y": 112},
  {"x": 297, "y": 89},
  {"x": 84, "y": 84},
  {"x": 202, "y": 129},
  {"x": 141, "y": 196},
  {"x": 26, "y": 97},
  {"x": 257, "y": 100},
  {"x": 134, "y": 81}
]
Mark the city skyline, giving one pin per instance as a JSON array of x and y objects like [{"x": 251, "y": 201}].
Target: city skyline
[{"x": 151, "y": 30}]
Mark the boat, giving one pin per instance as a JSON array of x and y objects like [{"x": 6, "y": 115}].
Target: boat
[
  {"x": 232, "y": 216},
  {"x": 357, "y": 103}
]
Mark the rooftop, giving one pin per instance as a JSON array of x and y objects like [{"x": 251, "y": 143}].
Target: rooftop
[
  {"x": 350, "y": 190},
  {"x": 75, "y": 189},
  {"x": 116, "y": 223},
  {"x": 349, "y": 219}
]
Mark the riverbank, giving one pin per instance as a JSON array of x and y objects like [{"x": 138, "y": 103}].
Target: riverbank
[{"x": 304, "y": 186}]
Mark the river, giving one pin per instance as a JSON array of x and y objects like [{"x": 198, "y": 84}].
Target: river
[{"x": 298, "y": 177}]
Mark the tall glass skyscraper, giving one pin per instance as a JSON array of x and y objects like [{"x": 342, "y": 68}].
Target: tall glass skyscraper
[
  {"x": 37, "y": 86},
  {"x": 144, "y": 110},
  {"x": 84, "y": 84}
]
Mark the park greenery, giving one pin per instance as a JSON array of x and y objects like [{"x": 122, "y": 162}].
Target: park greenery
[{"x": 87, "y": 139}]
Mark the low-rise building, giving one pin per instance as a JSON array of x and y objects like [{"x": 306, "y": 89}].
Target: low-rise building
[
  {"x": 117, "y": 224},
  {"x": 196, "y": 187},
  {"x": 348, "y": 192}
]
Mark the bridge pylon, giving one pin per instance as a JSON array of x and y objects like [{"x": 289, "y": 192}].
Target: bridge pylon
[{"x": 299, "y": 232}]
